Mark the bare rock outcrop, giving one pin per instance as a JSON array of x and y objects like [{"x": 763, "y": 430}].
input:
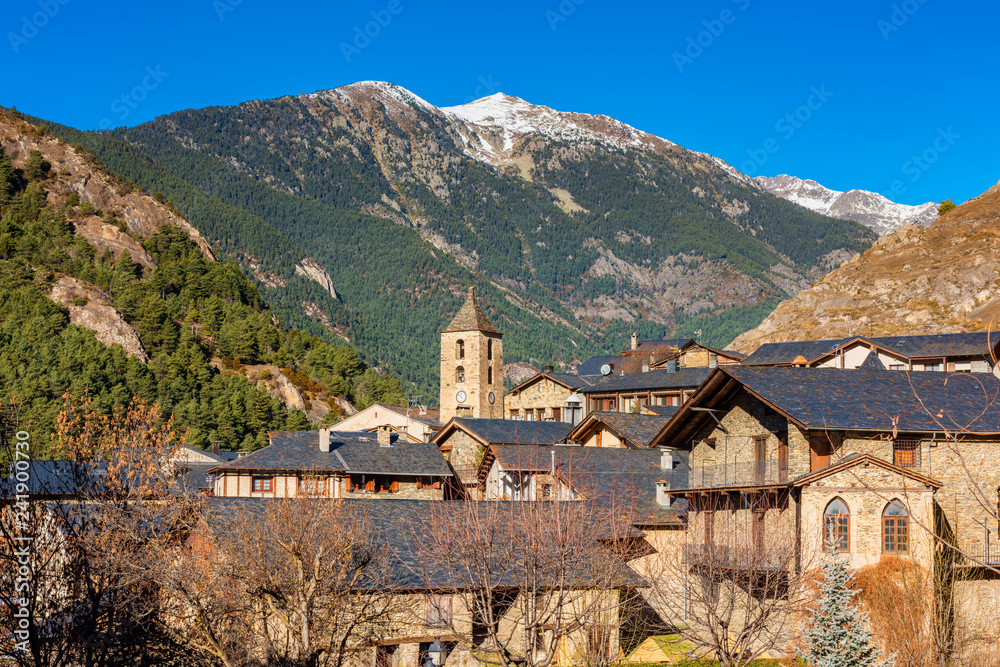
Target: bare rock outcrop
[
  {"x": 944, "y": 278},
  {"x": 91, "y": 309}
]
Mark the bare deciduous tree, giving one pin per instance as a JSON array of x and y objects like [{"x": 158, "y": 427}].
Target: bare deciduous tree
[{"x": 537, "y": 578}]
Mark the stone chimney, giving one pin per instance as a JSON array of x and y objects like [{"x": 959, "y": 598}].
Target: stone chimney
[
  {"x": 384, "y": 436},
  {"x": 635, "y": 341},
  {"x": 324, "y": 440},
  {"x": 215, "y": 447},
  {"x": 548, "y": 368}
]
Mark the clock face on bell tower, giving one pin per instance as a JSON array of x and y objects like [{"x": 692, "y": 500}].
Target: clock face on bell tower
[{"x": 471, "y": 365}]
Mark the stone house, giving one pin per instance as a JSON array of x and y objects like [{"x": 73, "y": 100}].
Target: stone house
[
  {"x": 629, "y": 392},
  {"x": 416, "y": 423},
  {"x": 334, "y": 464},
  {"x": 433, "y": 603},
  {"x": 874, "y": 462},
  {"x": 620, "y": 429},
  {"x": 695, "y": 355},
  {"x": 464, "y": 442},
  {"x": 549, "y": 396},
  {"x": 961, "y": 352}
]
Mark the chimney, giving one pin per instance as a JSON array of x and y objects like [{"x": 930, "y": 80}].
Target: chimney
[
  {"x": 635, "y": 341},
  {"x": 324, "y": 440},
  {"x": 645, "y": 366},
  {"x": 548, "y": 368},
  {"x": 215, "y": 447},
  {"x": 666, "y": 460},
  {"x": 384, "y": 436},
  {"x": 672, "y": 366}
]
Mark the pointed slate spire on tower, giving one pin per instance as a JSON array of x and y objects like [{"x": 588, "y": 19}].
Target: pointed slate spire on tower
[{"x": 471, "y": 317}]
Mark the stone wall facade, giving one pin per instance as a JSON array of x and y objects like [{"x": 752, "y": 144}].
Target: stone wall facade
[
  {"x": 545, "y": 399},
  {"x": 471, "y": 363},
  {"x": 240, "y": 485}
]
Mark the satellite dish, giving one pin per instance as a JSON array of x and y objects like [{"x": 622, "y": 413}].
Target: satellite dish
[{"x": 606, "y": 369}]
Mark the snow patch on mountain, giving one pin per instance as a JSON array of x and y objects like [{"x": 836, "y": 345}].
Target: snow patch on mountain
[
  {"x": 868, "y": 208},
  {"x": 513, "y": 117}
]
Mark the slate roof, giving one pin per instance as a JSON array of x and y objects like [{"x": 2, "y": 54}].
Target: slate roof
[
  {"x": 510, "y": 431},
  {"x": 661, "y": 345},
  {"x": 662, "y": 410},
  {"x": 638, "y": 429},
  {"x": 57, "y": 478},
  {"x": 862, "y": 400},
  {"x": 977, "y": 344},
  {"x": 349, "y": 452},
  {"x": 593, "y": 365},
  {"x": 195, "y": 479},
  {"x": 471, "y": 317},
  {"x": 682, "y": 378},
  {"x": 599, "y": 473},
  {"x": 396, "y": 523},
  {"x": 872, "y": 363},
  {"x": 732, "y": 354}
]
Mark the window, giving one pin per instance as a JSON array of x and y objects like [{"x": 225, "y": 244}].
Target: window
[
  {"x": 710, "y": 527},
  {"x": 463, "y": 411},
  {"x": 906, "y": 452},
  {"x": 460, "y": 349},
  {"x": 963, "y": 366},
  {"x": 312, "y": 486},
  {"x": 489, "y": 348},
  {"x": 557, "y": 414},
  {"x": 263, "y": 484},
  {"x": 836, "y": 526},
  {"x": 895, "y": 528},
  {"x": 460, "y": 374},
  {"x": 603, "y": 404},
  {"x": 437, "y": 611},
  {"x": 933, "y": 367},
  {"x": 600, "y": 435},
  {"x": 529, "y": 414},
  {"x": 383, "y": 655},
  {"x": 666, "y": 399},
  {"x": 515, "y": 413},
  {"x": 489, "y": 375},
  {"x": 897, "y": 367}
]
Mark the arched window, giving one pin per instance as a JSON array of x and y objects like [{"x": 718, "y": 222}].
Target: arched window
[
  {"x": 837, "y": 526},
  {"x": 460, "y": 349},
  {"x": 489, "y": 348},
  {"x": 895, "y": 528},
  {"x": 460, "y": 374},
  {"x": 489, "y": 375}
]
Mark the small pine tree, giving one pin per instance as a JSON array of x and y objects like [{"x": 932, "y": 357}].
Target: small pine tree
[
  {"x": 840, "y": 635},
  {"x": 946, "y": 206}
]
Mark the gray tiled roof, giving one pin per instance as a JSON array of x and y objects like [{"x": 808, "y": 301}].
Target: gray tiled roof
[
  {"x": 872, "y": 363},
  {"x": 593, "y": 365},
  {"x": 639, "y": 429},
  {"x": 349, "y": 452},
  {"x": 878, "y": 400},
  {"x": 682, "y": 378},
  {"x": 471, "y": 317},
  {"x": 396, "y": 524},
  {"x": 912, "y": 347},
  {"x": 504, "y": 431},
  {"x": 576, "y": 381},
  {"x": 662, "y": 410},
  {"x": 599, "y": 473}
]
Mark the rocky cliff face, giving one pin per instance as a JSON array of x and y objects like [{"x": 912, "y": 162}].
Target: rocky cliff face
[
  {"x": 91, "y": 309},
  {"x": 944, "y": 278},
  {"x": 869, "y": 208}
]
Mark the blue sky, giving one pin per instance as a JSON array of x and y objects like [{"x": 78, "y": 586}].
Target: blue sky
[{"x": 898, "y": 97}]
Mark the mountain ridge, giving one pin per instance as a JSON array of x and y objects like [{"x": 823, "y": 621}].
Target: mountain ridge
[{"x": 868, "y": 208}]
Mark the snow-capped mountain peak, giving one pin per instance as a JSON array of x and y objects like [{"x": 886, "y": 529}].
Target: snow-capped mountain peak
[
  {"x": 869, "y": 208},
  {"x": 513, "y": 117}
]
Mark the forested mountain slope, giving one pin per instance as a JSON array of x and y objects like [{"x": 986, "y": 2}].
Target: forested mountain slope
[
  {"x": 106, "y": 291},
  {"x": 944, "y": 278},
  {"x": 576, "y": 229}
]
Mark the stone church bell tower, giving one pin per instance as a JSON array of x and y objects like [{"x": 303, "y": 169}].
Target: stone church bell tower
[{"x": 471, "y": 365}]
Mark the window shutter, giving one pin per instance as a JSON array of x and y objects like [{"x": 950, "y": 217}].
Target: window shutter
[
  {"x": 394, "y": 486},
  {"x": 370, "y": 486}
]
